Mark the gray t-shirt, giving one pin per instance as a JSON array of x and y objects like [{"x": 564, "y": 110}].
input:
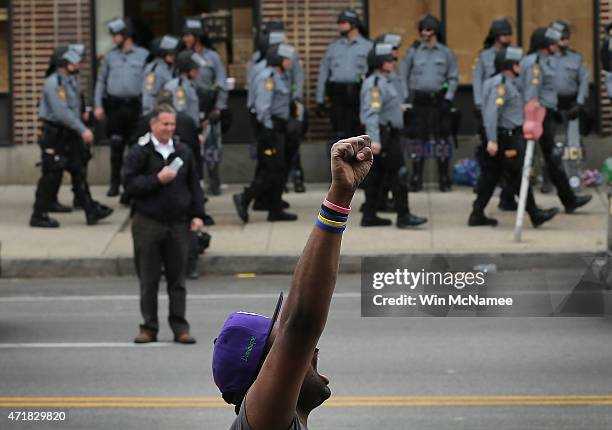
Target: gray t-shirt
[{"x": 241, "y": 423}]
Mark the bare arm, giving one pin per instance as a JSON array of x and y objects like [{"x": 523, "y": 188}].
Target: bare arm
[{"x": 272, "y": 400}]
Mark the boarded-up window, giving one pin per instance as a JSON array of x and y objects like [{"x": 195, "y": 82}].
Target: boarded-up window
[
  {"x": 579, "y": 14},
  {"x": 4, "y": 48},
  {"x": 467, "y": 26},
  {"x": 310, "y": 27},
  {"x": 401, "y": 17}
]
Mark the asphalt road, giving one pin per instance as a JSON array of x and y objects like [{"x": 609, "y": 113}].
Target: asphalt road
[{"x": 65, "y": 345}]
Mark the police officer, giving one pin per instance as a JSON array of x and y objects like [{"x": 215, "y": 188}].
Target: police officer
[
  {"x": 382, "y": 117},
  {"x": 430, "y": 77},
  {"x": 158, "y": 71},
  {"x": 61, "y": 141},
  {"x": 499, "y": 37},
  {"x": 188, "y": 65},
  {"x": 212, "y": 90},
  {"x": 502, "y": 107},
  {"x": 273, "y": 34},
  {"x": 605, "y": 54},
  {"x": 539, "y": 78},
  {"x": 272, "y": 100},
  {"x": 118, "y": 94},
  {"x": 572, "y": 76},
  {"x": 340, "y": 75}
]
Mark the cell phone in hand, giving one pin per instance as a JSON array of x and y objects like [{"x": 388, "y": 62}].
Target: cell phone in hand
[{"x": 176, "y": 164}]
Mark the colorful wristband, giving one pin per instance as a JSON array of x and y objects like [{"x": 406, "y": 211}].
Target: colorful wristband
[
  {"x": 339, "y": 209},
  {"x": 330, "y": 228},
  {"x": 332, "y": 216},
  {"x": 330, "y": 222}
]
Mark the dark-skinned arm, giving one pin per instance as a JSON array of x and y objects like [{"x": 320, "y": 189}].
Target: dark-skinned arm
[{"x": 271, "y": 401}]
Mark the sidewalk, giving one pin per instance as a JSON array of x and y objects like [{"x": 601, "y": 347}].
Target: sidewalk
[{"x": 76, "y": 249}]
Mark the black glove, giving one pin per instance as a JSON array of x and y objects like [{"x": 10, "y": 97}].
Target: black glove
[
  {"x": 574, "y": 112},
  {"x": 321, "y": 110},
  {"x": 446, "y": 105}
]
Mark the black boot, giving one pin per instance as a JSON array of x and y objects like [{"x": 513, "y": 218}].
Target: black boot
[
  {"x": 113, "y": 190},
  {"x": 409, "y": 220},
  {"x": 540, "y": 216},
  {"x": 579, "y": 201},
  {"x": 416, "y": 181},
  {"x": 478, "y": 218},
  {"x": 507, "y": 205},
  {"x": 281, "y": 216},
  {"x": 103, "y": 210},
  {"x": 444, "y": 180},
  {"x": 95, "y": 214},
  {"x": 298, "y": 181},
  {"x": 242, "y": 206},
  {"x": 43, "y": 220},
  {"x": 57, "y": 207},
  {"x": 374, "y": 221}
]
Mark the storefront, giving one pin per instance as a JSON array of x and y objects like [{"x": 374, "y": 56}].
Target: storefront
[
  {"x": 36, "y": 27},
  {"x": 5, "y": 95}
]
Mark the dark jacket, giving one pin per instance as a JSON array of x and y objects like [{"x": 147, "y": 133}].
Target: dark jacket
[
  {"x": 185, "y": 129},
  {"x": 178, "y": 200}
]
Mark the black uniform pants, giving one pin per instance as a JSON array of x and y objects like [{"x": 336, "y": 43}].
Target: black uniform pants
[
  {"x": 158, "y": 244},
  {"x": 388, "y": 168},
  {"x": 429, "y": 121},
  {"x": 61, "y": 148},
  {"x": 553, "y": 162},
  {"x": 270, "y": 172},
  {"x": 507, "y": 164},
  {"x": 292, "y": 147},
  {"x": 122, "y": 116},
  {"x": 344, "y": 113}
]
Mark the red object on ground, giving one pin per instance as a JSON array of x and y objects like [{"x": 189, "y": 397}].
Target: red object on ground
[{"x": 534, "y": 117}]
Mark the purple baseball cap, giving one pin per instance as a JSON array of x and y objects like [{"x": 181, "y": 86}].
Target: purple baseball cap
[{"x": 238, "y": 351}]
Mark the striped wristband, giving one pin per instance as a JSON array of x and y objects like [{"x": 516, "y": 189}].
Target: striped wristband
[{"x": 330, "y": 221}]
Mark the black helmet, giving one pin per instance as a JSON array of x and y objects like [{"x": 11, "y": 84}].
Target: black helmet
[
  {"x": 392, "y": 39},
  {"x": 500, "y": 27},
  {"x": 543, "y": 37},
  {"x": 166, "y": 45},
  {"x": 379, "y": 54},
  {"x": 562, "y": 27},
  {"x": 188, "y": 60},
  {"x": 430, "y": 22},
  {"x": 506, "y": 58},
  {"x": 193, "y": 25},
  {"x": 350, "y": 16},
  {"x": 120, "y": 26},
  {"x": 276, "y": 54}
]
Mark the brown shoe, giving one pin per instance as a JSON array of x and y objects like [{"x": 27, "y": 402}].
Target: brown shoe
[
  {"x": 145, "y": 337},
  {"x": 185, "y": 338}
]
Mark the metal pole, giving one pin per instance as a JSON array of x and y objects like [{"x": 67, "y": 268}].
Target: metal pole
[
  {"x": 520, "y": 213},
  {"x": 609, "y": 216}
]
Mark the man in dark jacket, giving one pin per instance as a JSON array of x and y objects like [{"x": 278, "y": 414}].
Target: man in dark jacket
[{"x": 167, "y": 201}]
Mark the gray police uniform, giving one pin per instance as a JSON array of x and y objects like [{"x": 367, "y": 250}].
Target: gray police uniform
[
  {"x": 61, "y": 143},
  {"x": 212, "y": 86},
  {"x": 118, "y": 89},
  {"x": 382, "y": 116},
  {"x": 340, "y": 75},
  {"x": 502, "y": 109},
  {"x": 539, "y": 81},
  {"x": 272, "y": 100},
  {"x": 483, "y": 69},
  {"x": 430, "y": 78},
  {"x": 571, "y": 79},
  {"x": 156, "y": 73},
  {"x": 185, "y": 97}
]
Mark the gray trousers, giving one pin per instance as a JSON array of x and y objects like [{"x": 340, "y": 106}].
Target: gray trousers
[{"x": 159, "y": 244}]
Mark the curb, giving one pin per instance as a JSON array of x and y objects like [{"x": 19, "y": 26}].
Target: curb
[{"x": 281, "y": 264}]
